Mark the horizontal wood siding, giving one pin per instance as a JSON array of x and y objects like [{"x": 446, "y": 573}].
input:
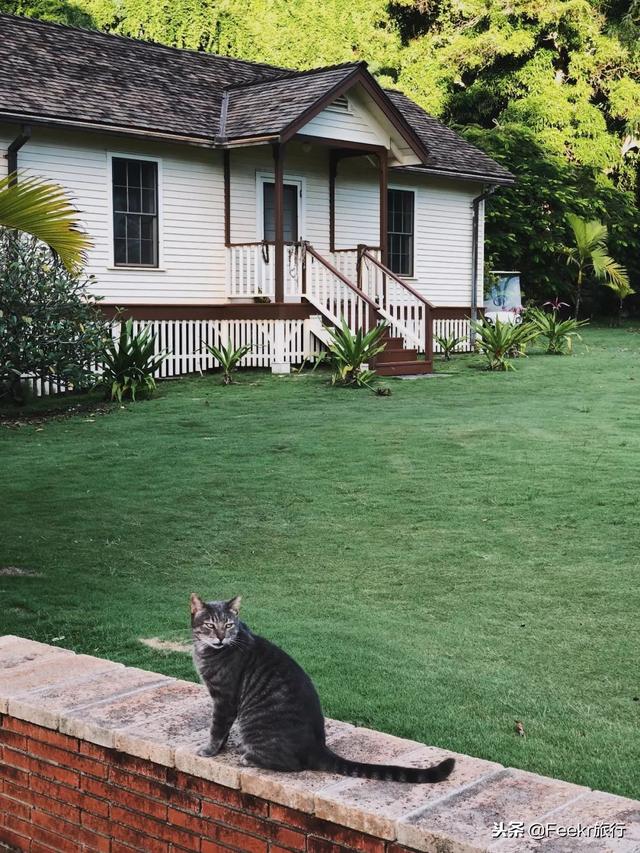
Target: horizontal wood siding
[
  {"x": 191, "y": 214},
  {"x": 357, "y": 125},
  {"x": 193, "y": 251}
]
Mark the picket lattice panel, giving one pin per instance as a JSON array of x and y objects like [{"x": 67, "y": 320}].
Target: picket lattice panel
[{"x": 460, "y": 328}]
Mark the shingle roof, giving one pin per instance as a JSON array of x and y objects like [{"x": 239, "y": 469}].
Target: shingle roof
[
  {"x": 270, "y": 106},
  {"x": 84, "y": 77},
  {"x": 448, "y": 152}
]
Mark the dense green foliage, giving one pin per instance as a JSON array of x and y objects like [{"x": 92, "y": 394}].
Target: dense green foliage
[
  {"x": 549, "y": 87},
  {"x": 129, "y": 362},
  {"x": 459, "y": 558},
  {"x": 50, "y": 326}
]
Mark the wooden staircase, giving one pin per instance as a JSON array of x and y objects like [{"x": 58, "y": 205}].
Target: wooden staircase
[{"x": 397, "y": 360}]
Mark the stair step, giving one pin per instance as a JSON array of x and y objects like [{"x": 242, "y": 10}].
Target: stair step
[
  {"x": 404, "y": 368},
  {"x": 398, "y": 354},
  {"x": 394, "y": 343}
]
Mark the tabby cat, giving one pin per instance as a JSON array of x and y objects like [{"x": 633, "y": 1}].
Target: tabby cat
[{"x": 276, "y": 707}]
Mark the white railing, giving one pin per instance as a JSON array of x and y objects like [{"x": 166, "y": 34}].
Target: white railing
[
  {"x": 408, "y": 312},
  {"x": 334, "y": 294},
  {"x": 251, "y": 270}
]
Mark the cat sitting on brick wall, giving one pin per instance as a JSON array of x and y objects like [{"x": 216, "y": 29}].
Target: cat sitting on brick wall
[{"x": 273, "y": 700}]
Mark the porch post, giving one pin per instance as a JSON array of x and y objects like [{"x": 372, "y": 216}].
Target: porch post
[
  {"x": 226, "y": 161},
  {"x": 278, "y": 193},
  {"x": 333, "y": 171},
  {"x": 383, "y": 173}
]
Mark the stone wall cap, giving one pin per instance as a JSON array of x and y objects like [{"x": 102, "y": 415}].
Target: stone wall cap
[{"x": 166, "y": 721}]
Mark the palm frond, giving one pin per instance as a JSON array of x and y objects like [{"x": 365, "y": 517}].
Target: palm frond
[
  {"x": 604, "y": 267},
  {"x": 44, "y": 210}
]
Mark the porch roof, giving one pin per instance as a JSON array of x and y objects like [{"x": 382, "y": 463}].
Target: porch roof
[{"x": 70, "y": 77}]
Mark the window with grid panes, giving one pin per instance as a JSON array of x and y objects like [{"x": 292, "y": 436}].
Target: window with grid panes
[{"x": 135, "y": 212}]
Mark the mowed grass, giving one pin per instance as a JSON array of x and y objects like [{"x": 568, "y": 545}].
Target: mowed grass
[{"x": 443, "y": 562}]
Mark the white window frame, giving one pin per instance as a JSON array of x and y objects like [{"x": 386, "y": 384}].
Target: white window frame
[
  {"x": 125, "y": 155},
  {"x": 265, "y": 177},
  {"x": 413, "y": 190}
]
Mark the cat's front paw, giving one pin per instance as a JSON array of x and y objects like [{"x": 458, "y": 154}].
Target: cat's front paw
[{"x": 208, "y": 751}]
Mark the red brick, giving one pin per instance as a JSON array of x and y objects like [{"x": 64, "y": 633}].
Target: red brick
[
  {"x": 16, "y": 792},
  {"x": 234, "y": 799},
  {"x": 393, "y": 847},
  {"x": 186, "y": 820},
  {"x": 14, "y": 807},
  {"x": 158, "y": 790},
  {"x": 154, "y": 828},
  {"x": 98, "y": 788},
  {"x": 17, "y": 776},
  {"x": 42, "y": 734},
  {"x": 284, "y": 835},
  {"x": 95, "y": 823},
  {"x": 275, "y": 848},
  {"x": 14, "y": 832},
  {"x": 38, "y": 847},
  {"x": 137, "y": 840},
  {"x": 13, "y": 739},
  {"x": 319, "y": 845},
  {"x": 72, "y": 832},
  {"x": 213, "y": 847},
  {"x": 100, "y": 753},
  {"x": 56, "y": 806},
  {"x": 119, "y": 847},
  {"x": 41, "y": 768},
  {"x": 69, "y": 795},
  {"x": 140, "y": 766},
  {"x": 136, "y": 803},
  {"x": 232, "y": 838},
  {"x": 324, "y": 829},
  {"x": 63, "y": 757}
]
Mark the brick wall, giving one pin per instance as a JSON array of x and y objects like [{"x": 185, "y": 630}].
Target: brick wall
[
  {"x": 96, "y": 756},
  {"x": 58, "y": 793}
]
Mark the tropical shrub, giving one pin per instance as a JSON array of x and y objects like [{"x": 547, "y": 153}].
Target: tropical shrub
[
  {"x": 448, "y": 344},
  {"x": 500, "y": 342},
  {"x": 50, "y": 324},
  {"x": 229, "y": 357},
  {"x": 558, "y": 333},
  {"x": 349, "y": 353},
  {"x": 43, "y": 210},
  {"x": 130, "y": 362}
]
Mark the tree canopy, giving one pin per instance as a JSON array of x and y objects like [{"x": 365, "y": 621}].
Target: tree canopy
[{"x": 549, "y": 87}]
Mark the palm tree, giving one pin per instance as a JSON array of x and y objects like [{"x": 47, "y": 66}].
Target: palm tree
[
  {"x": 622, "y": 289},
  {"x": 43, "y": 210},
  {"x": 590, "y": 255}
]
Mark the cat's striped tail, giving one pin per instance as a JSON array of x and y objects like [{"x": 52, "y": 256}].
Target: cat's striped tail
[{"x": 386, "y": 772}]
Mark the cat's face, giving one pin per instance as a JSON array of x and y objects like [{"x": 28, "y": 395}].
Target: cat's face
[{"x": 214, "y": 624}]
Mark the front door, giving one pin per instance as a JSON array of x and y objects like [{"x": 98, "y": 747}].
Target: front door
[{"x": 291, "y": 196}]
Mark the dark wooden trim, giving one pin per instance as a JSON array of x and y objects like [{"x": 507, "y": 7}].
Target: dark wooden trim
[
  {"x": 383, "y": 173},
  {"x": 444, "y": 312},
  {"x": 226, "y": 162},
  {"x": 278, "y": 200},
  {"x": 12, "y": 153},
  {"x": 227, "y": 311},
  {"x": 344, "y": 144}
]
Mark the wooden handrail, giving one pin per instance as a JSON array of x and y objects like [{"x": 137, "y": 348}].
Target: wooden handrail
[
  {"x": 366, "y": 254},
  {"x": 261, "y": 243},
  {"x": 336, "y": 272}
]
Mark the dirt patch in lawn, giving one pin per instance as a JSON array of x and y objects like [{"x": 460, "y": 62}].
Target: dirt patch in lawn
[
  {"x": 17, "y": 572},
  {"x": 158, "y": 645}
]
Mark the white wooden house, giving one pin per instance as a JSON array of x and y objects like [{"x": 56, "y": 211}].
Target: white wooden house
[{"x": 228, "y": 198}]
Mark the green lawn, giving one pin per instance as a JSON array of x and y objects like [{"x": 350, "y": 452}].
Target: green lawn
[{"x": 443, "y": 562}]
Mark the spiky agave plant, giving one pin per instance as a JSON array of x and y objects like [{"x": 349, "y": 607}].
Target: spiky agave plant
[
  {"x": 558, "y": 333},
  {"x": 500, "y": 342},
  {"x": 130, "y": 361},
  {"x": 448, "y": 344},
  {"x": 228, "y": 357},
  {"x": 349, "y": 353}
]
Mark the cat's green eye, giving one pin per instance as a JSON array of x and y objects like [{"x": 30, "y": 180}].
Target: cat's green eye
[{"x": 229, "y": 625}]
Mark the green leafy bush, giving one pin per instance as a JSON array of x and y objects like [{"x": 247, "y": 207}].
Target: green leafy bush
[
  {"x": 50, "y": 324},
  {"x": 130, "y": 362},
  {"x": 229, "y": 357},
  {"x": 558, "y": 333},
  {"x": 349, "y": 353},
  {"x": 500, "y": 342},
  {"x": 448, "y": 344}
]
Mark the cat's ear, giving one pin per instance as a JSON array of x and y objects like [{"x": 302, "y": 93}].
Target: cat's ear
[
  {"x": 197, "y": 604},
  {"x": 234, "y": 604}
]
